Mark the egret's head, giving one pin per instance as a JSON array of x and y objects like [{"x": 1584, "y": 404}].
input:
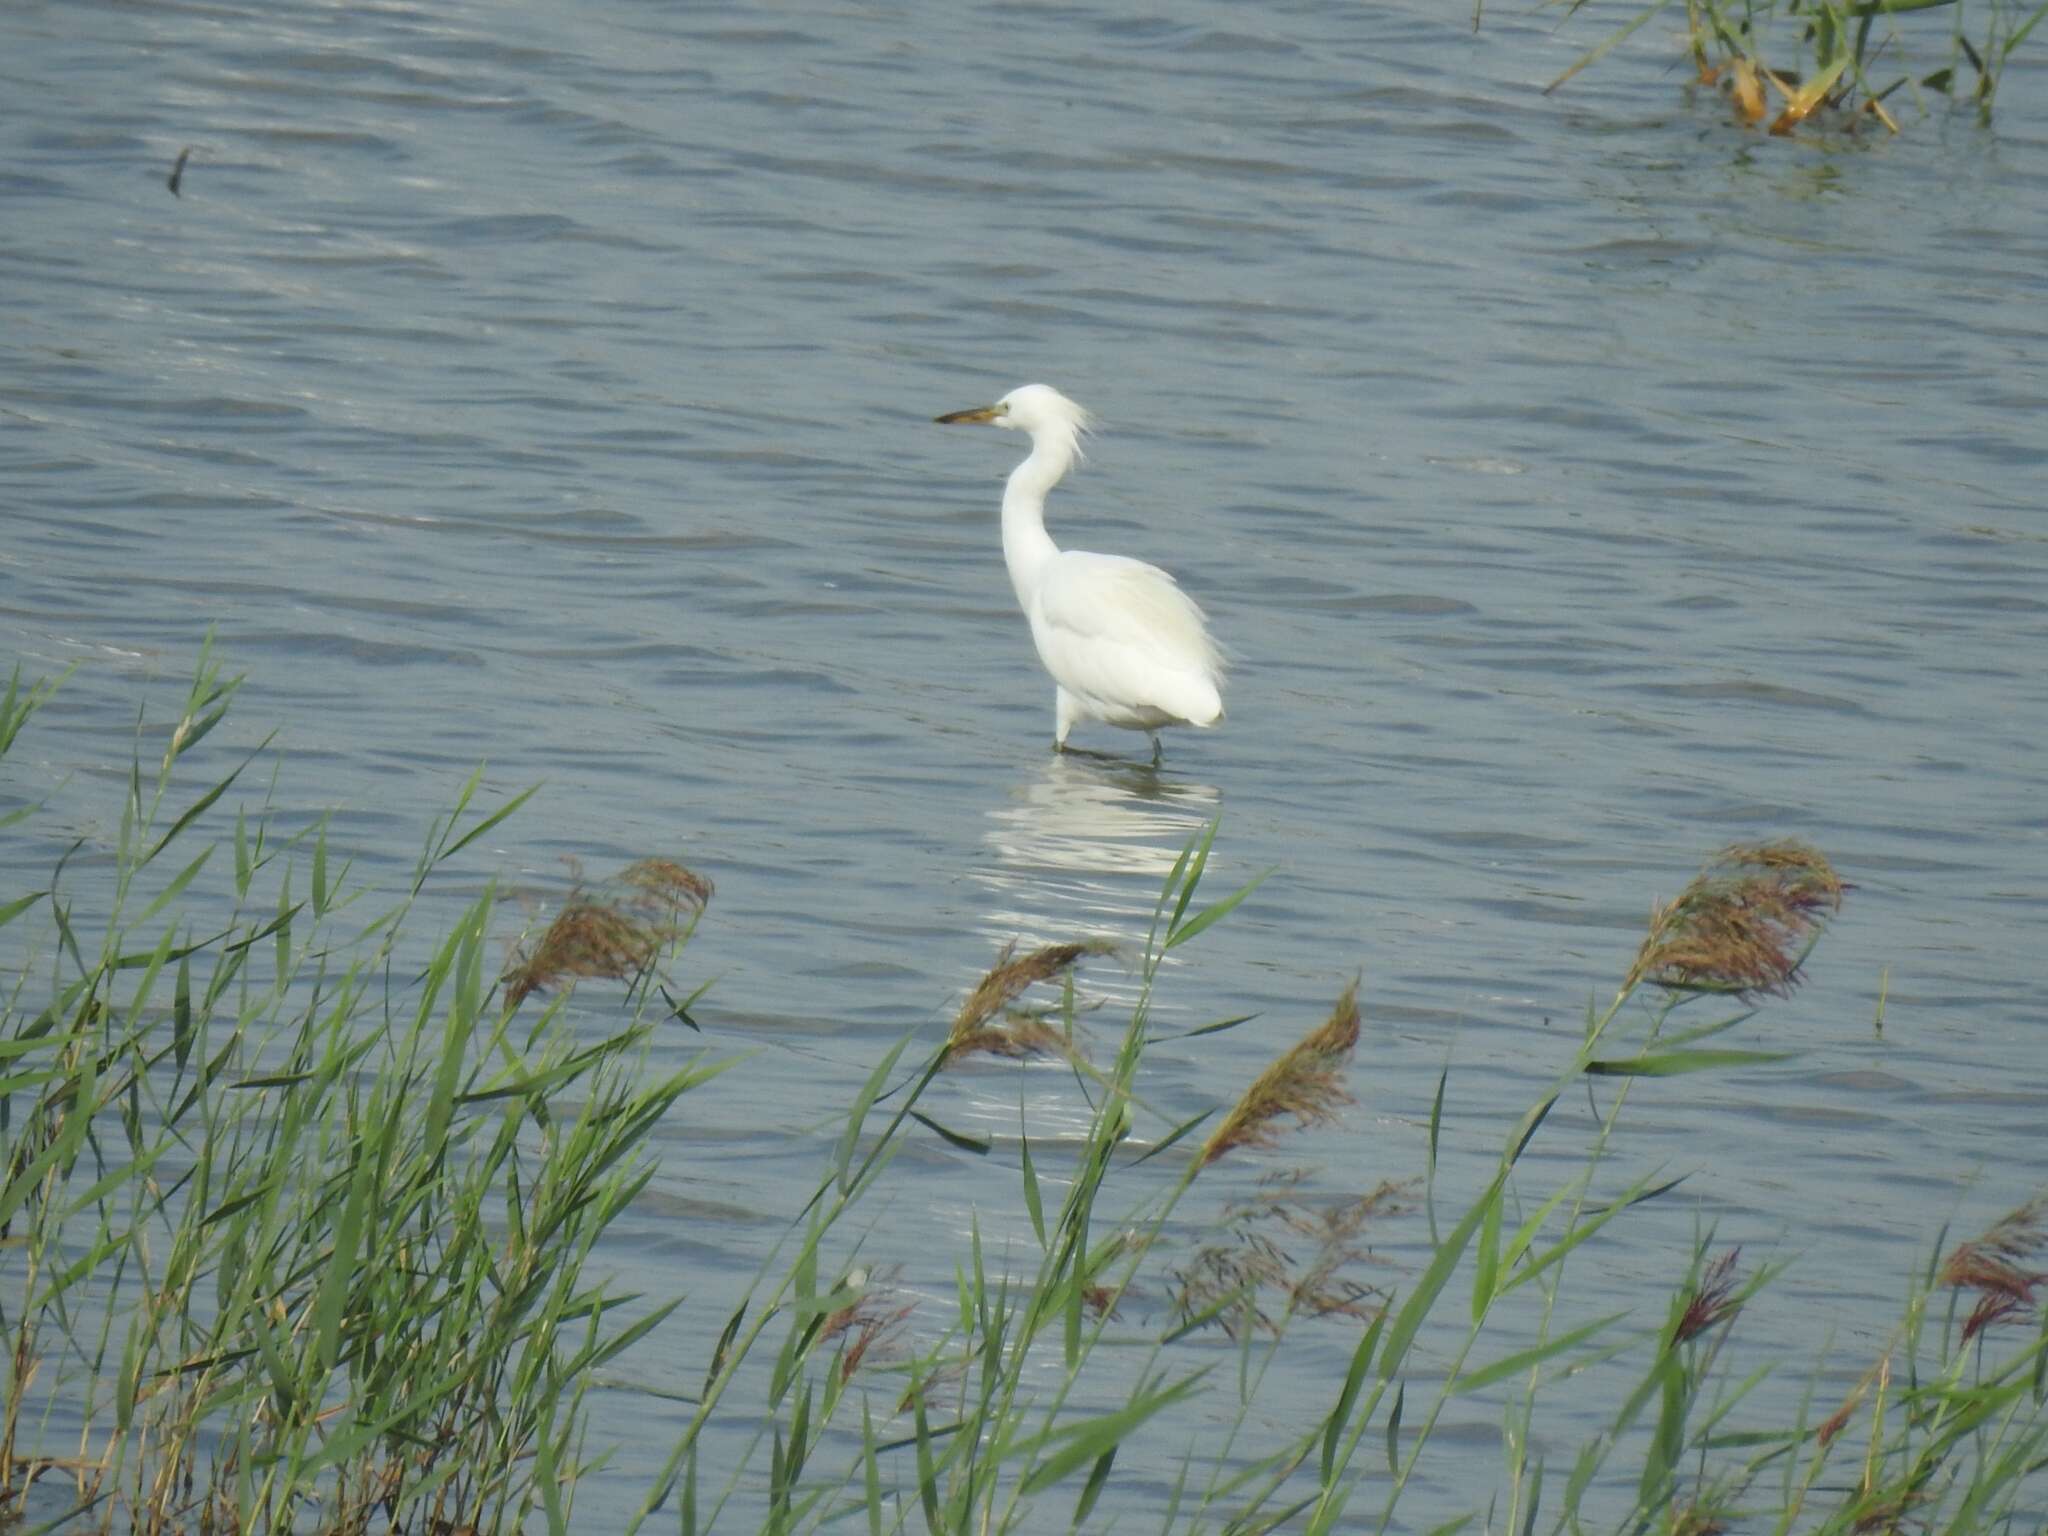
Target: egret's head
[{"x": 1033, "y": 408}]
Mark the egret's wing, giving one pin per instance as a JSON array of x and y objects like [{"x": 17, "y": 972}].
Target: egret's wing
[{"x": 1123, "y": 633}]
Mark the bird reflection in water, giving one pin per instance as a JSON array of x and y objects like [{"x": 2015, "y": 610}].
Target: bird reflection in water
[
  {"x": 1077, "y": 850},
  {"x": 1081, "y": 847}
]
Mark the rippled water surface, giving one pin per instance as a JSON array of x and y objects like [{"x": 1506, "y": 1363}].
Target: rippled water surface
[{"x": 1579, "y": 482}]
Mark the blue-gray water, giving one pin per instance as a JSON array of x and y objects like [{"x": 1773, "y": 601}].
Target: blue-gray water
[{"x": 1580, "y": 483}]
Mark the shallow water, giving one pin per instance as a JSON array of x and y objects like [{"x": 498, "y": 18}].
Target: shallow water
[{"x": 1579, "y": 482}]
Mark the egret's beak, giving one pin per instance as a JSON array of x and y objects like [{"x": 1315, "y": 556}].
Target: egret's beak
[{"x": 978, "y": 413}]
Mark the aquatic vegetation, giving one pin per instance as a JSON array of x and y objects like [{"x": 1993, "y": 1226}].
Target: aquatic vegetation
[
  {"x": 1023, "y": 1402},
  {"x": 1709, "y": 1301},
  {"x": 295, "y": 1218},
  {"x": 1836, "y": 62}
]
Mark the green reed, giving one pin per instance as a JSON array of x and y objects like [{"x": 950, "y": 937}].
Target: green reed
[
  {"x": 294, "y": 1224},
  {"x": 1010, "y": 1411}
]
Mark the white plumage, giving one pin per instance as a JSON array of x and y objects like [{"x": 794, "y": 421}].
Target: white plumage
[{"x": 1123, "y": 643}]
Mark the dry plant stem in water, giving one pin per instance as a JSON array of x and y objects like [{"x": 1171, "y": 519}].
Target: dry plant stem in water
[{"x": 1838, "y": 61}]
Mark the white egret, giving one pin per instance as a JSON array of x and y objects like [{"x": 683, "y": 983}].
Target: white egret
[{"x": 1123, "y": 643}]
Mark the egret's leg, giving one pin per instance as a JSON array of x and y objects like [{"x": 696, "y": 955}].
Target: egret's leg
[{"x": 1065, "y": 713}]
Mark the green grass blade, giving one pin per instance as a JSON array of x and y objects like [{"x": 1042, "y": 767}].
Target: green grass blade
[
  {"x": 1216, "y": 1028},
  {"x": 341, "y": 1270},
  {"x": 1347, "y": 1399},
  {"x": 63, "y": 1147},
  {"x": 978, "y": 1145},
  {"x": 205, "y": 802},
  {"x": 1188, "y": 870},
  {"x": 172, "y": 891},
  {"x": 1099, "y": 1436},
  {"x": 449, "y": 850},
  {"x": 1213, "y": 913},
  {"x": 1613, "y": 41},
  {"x": 1677, "y": 1063},
  {"x": 19, "y": 905},
  {"x": 320, "y": 871},
  {"x": 871, "y": 1472},
  {"x": 1185, "y": 1128},
  {"x": 1394, "y": 1430},
  {"x": 1525, "y": 1359},
  {"x": 1032, "y": 1207},
  {"x": 1436, "y": 1125},
  {"x": 244, "y": 869},
  {"x": 1485, "y": 1271},
  {"x": 1097, "y": 1476},
  {"x": 107, "y": 1184},
  {"x": 1409, "y": 1320},
  {"x": 856, "y": 1117}
]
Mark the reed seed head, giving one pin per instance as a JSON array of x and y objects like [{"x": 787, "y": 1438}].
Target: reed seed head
[
  {"x": 986, "y": 1023},
  {"x": 1306, "y": 1082},
  {"x": 617, "y": 933},
  {"x": 1744, "y": 924},
  {"x": 1995, "y": 1264},
  {"x": 1258, "y": 1257},
  {"x": 1837, "y": 1421},
  {"x": 869, "y": 1322},
  {"x": 667, "y": 885},
  {"x": 1712, "y": 1300}
]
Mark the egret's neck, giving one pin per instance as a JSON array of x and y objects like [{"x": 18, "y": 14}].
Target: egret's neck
[{"x": 1027, "y": 547}]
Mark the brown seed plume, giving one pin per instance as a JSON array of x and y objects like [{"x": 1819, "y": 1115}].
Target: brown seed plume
[
  {"x": 1994, "y": 1265},
  {"x": 1880, "y": 1372},
  {"x": 1744, "y": 924},
  {"x": 872, "y": 1320},
  {"x": 1306, "y": 1082},
  {"x": 986, "y": 1024},
  {"x": 1258, "y": 1256},
  {"x": 1712, "y": 1300},
  {"x": 619, "y": 932}
]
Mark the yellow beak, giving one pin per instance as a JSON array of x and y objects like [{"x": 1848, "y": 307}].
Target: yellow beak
[{"x": 978, "y": 413}]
